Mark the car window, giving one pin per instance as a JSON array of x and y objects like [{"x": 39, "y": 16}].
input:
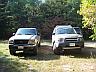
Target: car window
[
  {"x": 65, "y": 31},
  {"x": 26, "y": 32},
  {"x": 78, "y": 30}
]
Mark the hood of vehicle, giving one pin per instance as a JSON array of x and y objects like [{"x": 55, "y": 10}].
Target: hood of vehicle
[
  {"x": 68, "y": 36},
  {"x": 22, "y": 37}
]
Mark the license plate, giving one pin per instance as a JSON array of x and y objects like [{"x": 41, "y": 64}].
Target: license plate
[
  {"x": 71, "y": 44},
  {"x": 20, "y": 47}
]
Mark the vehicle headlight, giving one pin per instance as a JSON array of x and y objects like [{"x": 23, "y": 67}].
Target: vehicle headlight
[
  {"x": 31, "y": 42},
  {"x": 81, "y": 39},
  {"x": 60, "y": 40},
  {"x": 11, "y": 42}
]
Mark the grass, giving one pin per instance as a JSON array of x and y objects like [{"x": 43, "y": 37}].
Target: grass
[
  {"x": 10, "y": 63},
  {"x": 47, "y": 61}
]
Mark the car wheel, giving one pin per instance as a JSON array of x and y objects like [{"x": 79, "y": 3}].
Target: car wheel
[
  {"x": 12, "y": 52},
  {"x": 35, "y": 51},
  {"x": 82, "y": 46},
  {"x": 39, "y": 44},
  {"x": 56, "y": 50}
]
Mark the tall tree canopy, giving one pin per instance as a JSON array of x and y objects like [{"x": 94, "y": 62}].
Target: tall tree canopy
[
  {"x": 88, "y": 11},
  {"x": 21, "y": 12},
  {"x": 44, "y": 16},
  {"x": 67, "y": 9},
  {"x": 15, "y": 14},
  {"x": 3, "y": 18},
  {"x": 56, "y": 12}
]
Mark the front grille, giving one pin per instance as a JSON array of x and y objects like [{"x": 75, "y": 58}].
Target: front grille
[
  {"x": 71, "y": 39},
  {"x": 20, "y": 41}
]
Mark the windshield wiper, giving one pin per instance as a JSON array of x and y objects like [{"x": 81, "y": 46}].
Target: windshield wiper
[{"x": 28, "y": 34}]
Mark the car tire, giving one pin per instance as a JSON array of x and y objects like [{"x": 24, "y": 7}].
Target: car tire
[
  {"x": 35, "y": 51},
  {"x": 39, "y": 44},
  {"x": 82, "y": 46},
  {"x": 56, "y": 50},
  {"x": 12, "y": 52}
]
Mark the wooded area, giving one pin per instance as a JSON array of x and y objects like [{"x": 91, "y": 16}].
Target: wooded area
[{"x": 45, "y": 16}]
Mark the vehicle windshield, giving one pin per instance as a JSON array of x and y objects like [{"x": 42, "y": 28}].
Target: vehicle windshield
[
  {"x": 65, "y": 31},
  {"x": 26, "y": 32}
]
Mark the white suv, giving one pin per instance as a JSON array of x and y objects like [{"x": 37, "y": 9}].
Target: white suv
[
  {"x": 65, "y": 37},
  {"x": 25, "y": 39}
]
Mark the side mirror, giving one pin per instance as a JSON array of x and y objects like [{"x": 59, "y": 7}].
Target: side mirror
[
  {"x": 13, "y": 34},
  {"x": 38, "y": 33},
  {"x": 53, "y": 33},
  {"x": 78, "y": 33}
]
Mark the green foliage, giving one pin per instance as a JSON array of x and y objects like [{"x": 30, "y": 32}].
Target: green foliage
[
  {"x": 88, "y": 11},
  {"x": 15, "y": 14},
  {"x": 44, "y": 16},
  {"x": 3, "y": 18},
  {"x": 21, "y": 11},
  {"x": 67, "y": 9},
  {"x": 55, "y": 12}
]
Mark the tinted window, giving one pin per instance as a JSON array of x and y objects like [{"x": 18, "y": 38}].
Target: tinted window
[
  {"x": 78, "y": 30},
  {"x": 65, "y": 31},
  {"x": 26, "y": 32}
]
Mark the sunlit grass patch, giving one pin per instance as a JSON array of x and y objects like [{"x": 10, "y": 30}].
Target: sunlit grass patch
[
  {"x": 10, "y": 63},
  {"x": 47, "y": 61}
]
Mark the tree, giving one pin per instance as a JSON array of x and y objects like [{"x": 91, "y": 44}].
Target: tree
[
  {"x": 55, "y": 12},
  {"x": 3, "y": 18},
  {"x": 44, "y": 16},
  {"x": 22, "y": 11},
  {"x": 88, "y": 11},
  {"x": 17, "y": 13}
]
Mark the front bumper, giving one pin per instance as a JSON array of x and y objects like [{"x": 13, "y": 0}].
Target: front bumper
[
  {"x": 70, "y": 45},
  {"x": 21, "y": 46}
]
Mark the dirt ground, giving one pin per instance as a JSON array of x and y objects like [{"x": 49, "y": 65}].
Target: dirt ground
[
  {"x": 89, "y": 51},
  {"x": 66, "y": 62}
]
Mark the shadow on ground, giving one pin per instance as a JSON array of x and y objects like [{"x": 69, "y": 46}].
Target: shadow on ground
[
  {"x": 11, "y": 65},
  {"x": 44, "y": 53},
  {"x": 87, "y": 52}
]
